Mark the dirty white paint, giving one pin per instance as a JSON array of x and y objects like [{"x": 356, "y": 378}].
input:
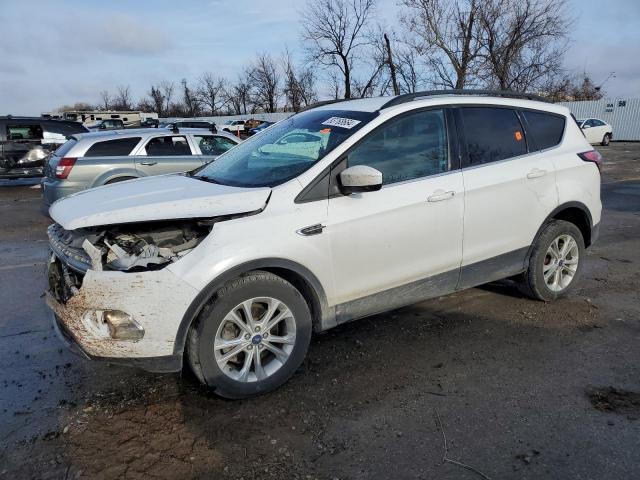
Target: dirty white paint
[
  {"x": 156, "y": 300},
  {"x": 162, "y": 197}
]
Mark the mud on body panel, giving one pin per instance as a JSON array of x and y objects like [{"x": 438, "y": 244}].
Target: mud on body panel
[{"x": 156, "y": 300}]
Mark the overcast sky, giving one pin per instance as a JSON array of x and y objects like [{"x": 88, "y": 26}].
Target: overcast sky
[{"x": 52, "y": 53}]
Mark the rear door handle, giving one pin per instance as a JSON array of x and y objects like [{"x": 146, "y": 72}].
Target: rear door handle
[
  {"x": 439, "y": 196},
  {"x": 148, "y": 163},
  {"x": 536, "y": 173}
]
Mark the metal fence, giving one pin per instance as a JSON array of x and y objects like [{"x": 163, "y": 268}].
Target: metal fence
[{"x": 622, "y": 113}]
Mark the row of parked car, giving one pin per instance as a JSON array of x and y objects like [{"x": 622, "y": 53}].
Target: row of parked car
[{"x": 72, "y": 157}]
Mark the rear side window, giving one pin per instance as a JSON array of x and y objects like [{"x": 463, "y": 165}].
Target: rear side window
[
  {"x": 65, "y": 148},
  {"x": 211, "y": 145},
  {"x": 24, "y": 132},
  {"x": 113, "y": 148},
  {"x": 168, "y": 146},
  {"x": 545, "y": 128},
  {"x": 492, "y": 134},
  {"x": 64, "y": 128}
]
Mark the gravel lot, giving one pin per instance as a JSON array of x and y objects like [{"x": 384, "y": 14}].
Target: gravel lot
[{"x": 515, "y": 388}]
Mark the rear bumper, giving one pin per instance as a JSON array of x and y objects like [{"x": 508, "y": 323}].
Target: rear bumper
[
  {"x": 53, "y": 190},
  {"x": 17, "y": 172}
]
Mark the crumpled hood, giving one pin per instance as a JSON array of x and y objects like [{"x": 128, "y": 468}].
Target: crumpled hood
[{"x": 164, "y": 197}]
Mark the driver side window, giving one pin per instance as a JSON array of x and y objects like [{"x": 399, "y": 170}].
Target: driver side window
[{"x": 412, "y": 146}]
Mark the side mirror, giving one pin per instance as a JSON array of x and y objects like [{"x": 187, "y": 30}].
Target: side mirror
[
  {"x": 584, "y": 127},
  {"x": 102, "y": 126},
  {"x": 360, "y": 178}
]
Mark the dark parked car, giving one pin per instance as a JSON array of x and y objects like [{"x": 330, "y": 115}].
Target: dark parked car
[
  {"x": 111, "y": 124},
  {"x": 26, "y": 141},
  {"x": 260, "y": 127}
]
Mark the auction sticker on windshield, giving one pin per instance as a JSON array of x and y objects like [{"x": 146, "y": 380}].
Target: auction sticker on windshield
[{"x": 341, "y": 122}]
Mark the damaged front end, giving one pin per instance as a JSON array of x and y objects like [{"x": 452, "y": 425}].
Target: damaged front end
[{"x": 130, "y": 247}]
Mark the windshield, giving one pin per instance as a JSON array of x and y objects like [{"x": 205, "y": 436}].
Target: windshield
[{"x": 285, "y": 150}]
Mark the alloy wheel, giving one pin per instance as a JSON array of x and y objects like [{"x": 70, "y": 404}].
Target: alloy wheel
[
  {"x": 255, "y": 339},
  {"x": 561, "y": 263}
]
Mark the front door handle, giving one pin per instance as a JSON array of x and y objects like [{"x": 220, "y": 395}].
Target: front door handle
[
  {"x": 536, "y": 173},
  {"x": 439, "y": 196},
  {"x": 148, "y": 163}
]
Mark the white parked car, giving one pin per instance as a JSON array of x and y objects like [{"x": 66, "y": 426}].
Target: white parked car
[
  {"x": 596, "y": 131},
  {"x": 340, "y": 212},
  {"x": 233, "y": 126}
]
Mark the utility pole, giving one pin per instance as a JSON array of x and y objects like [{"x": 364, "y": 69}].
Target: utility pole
[{"x": 392, "y": 67}]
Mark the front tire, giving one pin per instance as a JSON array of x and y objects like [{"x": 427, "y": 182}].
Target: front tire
[
  {"x": 555, "y": 262},
  {"x": 251, "y": 337},
  {"x": 606, "y": 140}
]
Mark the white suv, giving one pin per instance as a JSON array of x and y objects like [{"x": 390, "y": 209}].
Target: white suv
[{"x": 337, "y": 213}]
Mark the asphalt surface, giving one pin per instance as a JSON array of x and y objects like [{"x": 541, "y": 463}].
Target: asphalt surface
[{"x": 504, "y": 386}]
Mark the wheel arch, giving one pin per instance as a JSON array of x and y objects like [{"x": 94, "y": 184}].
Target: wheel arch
[
  {"x": 576, "y": 213},
  {"x": 299, "y": 276}
]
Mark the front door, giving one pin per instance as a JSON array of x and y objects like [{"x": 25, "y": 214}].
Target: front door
[
  {"x": 166, "y": 154},
  {"x": 402, "y": 243}
]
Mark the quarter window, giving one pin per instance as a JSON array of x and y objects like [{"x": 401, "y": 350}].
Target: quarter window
[
  {"x": 546, "y": 128},
  {"x": 212, "y": 145},
  {"x": 492, "y": 134},
  {"x": 113, "y": 148},
  {"x": 409, "y": 147},
  {"x": 168, "y": 146}
]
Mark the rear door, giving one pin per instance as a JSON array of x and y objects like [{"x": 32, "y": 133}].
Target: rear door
[
  {"x": 509, "y": 191},
  {"x": 591, "y": 132},
  {"x": 167, "y": 154}
]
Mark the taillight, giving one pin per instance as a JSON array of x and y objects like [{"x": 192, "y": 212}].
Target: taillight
[
  {"x": 592, "y": 156},
  {"x": 63, "y": 169}
]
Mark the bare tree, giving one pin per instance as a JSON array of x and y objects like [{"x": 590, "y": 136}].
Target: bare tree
[
  {"x": 157, "y": 100},
  {"x": 410, "y": 75},
  {"x": 567, "y": 88},
  {"x": 122, "y": 98},
  {"x": 264, "y": 80},
  {"x": 335, "y": 30},
  {"x": 299, "y": 84},
  {"x": 190, "y": 100},
  {"x": 105, "y": 98},
  {"x": 238, "y": 96},
  {"x": 392, "y": 65},
  {"x": 167, "y": 89},
  {"x": 447, "y": 32},
  {"x": 523, "y": 41},
  {"x": 212, "y": 92}
]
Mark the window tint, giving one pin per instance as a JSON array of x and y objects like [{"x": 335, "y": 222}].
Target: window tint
[
  {"x": 405, "y": 148},
  {"x": 597, "y": 123},
  {"x": 168, "y": 146},
  {"x": 65, "y": 148},
  {"x": 112, "y": 148},
  {"x": 492, "y": 134},
  {"x": 211, "y": 145},
  {"x": 24, "y": 132},
  {"x": 546, "y": 129}
]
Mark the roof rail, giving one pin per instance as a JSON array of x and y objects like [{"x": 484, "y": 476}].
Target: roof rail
[
  {"x": 321, "y": 104},
  {"x": 409, "y": 97}
]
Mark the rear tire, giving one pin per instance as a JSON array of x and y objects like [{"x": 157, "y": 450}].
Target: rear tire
[
  {"x": 606, "y": 140},
  {"x": 251, "y": 337},
  {"x": 555, "y": 262}
]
